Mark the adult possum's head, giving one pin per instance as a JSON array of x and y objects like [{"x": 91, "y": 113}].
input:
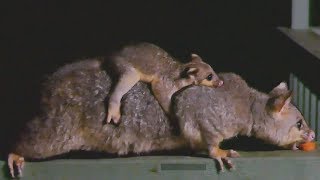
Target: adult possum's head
[{"x": 284, "y": 124}]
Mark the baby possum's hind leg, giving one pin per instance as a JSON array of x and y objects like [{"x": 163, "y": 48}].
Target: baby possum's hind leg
[
  {"x": 17, "y": 161},
  {"x": 129, "y": 76}
]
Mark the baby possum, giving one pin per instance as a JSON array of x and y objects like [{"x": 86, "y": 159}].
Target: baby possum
[
  {"x": 149, "y": 63},
  {"x": 73, "y": 111}
]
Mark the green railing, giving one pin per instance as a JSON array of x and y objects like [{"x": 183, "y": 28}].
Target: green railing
[{"x": 308, "y": 103}]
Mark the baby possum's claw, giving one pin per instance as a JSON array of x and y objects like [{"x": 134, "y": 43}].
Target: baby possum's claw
[
  {"x": 17, "y": 161},
  {"x": 113, "y": 114}
]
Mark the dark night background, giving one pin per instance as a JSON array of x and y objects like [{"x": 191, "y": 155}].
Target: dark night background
[{"x": 238, "y": 36}]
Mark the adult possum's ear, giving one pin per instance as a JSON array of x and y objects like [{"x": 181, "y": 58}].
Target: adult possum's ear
[
  {"x": 282, "y": 88},
  {"x": 277, "y": 103},
  {"x": 195, "y": 58}
]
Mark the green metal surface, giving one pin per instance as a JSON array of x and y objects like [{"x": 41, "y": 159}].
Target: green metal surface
[{"x": 252, "y": 165}]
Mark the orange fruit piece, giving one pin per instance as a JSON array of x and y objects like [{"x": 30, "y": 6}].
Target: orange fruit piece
[{"x": 308, "y": 146}]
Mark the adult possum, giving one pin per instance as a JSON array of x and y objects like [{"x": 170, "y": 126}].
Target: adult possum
[{"x": 73, "y": 112}]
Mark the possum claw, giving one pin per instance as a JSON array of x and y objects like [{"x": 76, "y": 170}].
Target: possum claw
[
  {"x": 224, "y": 160},
  {"x": 113, "y": 115},
  {"x": 220, "y": 164},
  {"x": 229, "y": 163},
  {"x": 17, "y": 161},
  {"x": 233, "y": 154},
  {"x": 294, "y": 146},
  {"x": 114, "y": 118},
  {"x": 223, "y": 157}
]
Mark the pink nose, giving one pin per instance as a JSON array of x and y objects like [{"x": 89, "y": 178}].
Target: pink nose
[
  {"x": 220, "y": 83},
  {"x": 310, "y": 135}
]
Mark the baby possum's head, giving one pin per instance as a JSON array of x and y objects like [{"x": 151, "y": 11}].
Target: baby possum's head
[{"x": 202, "y": 72}]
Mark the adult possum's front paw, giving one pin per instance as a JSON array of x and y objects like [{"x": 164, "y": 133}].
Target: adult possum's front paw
[
  {"x": 17, "y": 161},
  {"x": 113, "y": 113},
  {"x": 223, "y": 156},
  {"x": 232, "y": 153}
]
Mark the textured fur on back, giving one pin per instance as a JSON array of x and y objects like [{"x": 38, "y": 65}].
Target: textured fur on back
[{"x": 73, "y": 112}]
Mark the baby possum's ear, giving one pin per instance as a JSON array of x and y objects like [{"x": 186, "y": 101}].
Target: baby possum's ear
[
  {"x": 191, "y": 68},
  {"x": 189, "y": 71}
]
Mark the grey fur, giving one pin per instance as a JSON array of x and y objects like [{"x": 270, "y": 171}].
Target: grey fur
[{"x": 74, "y": 111}]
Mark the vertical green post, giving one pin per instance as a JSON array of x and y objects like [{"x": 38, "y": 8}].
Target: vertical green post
[
  {"x": 300, "y": 96},
  {"x": 318, "y": 120},
  {"x": 300, "y": 14},
  {"x": 306, "y": 103},
  {"x": 295, "y": 89},
  {"x": 313, "y": 113}
]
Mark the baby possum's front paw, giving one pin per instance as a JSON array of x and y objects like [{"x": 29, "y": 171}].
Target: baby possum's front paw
[
  {"x": 113, "y": 113},
  {"x": 223, "y": 156}
]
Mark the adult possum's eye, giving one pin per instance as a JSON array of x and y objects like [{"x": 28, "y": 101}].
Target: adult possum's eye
[
  {"x": 209, "y": 78},
  {"x": 299, "y": 124}
]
